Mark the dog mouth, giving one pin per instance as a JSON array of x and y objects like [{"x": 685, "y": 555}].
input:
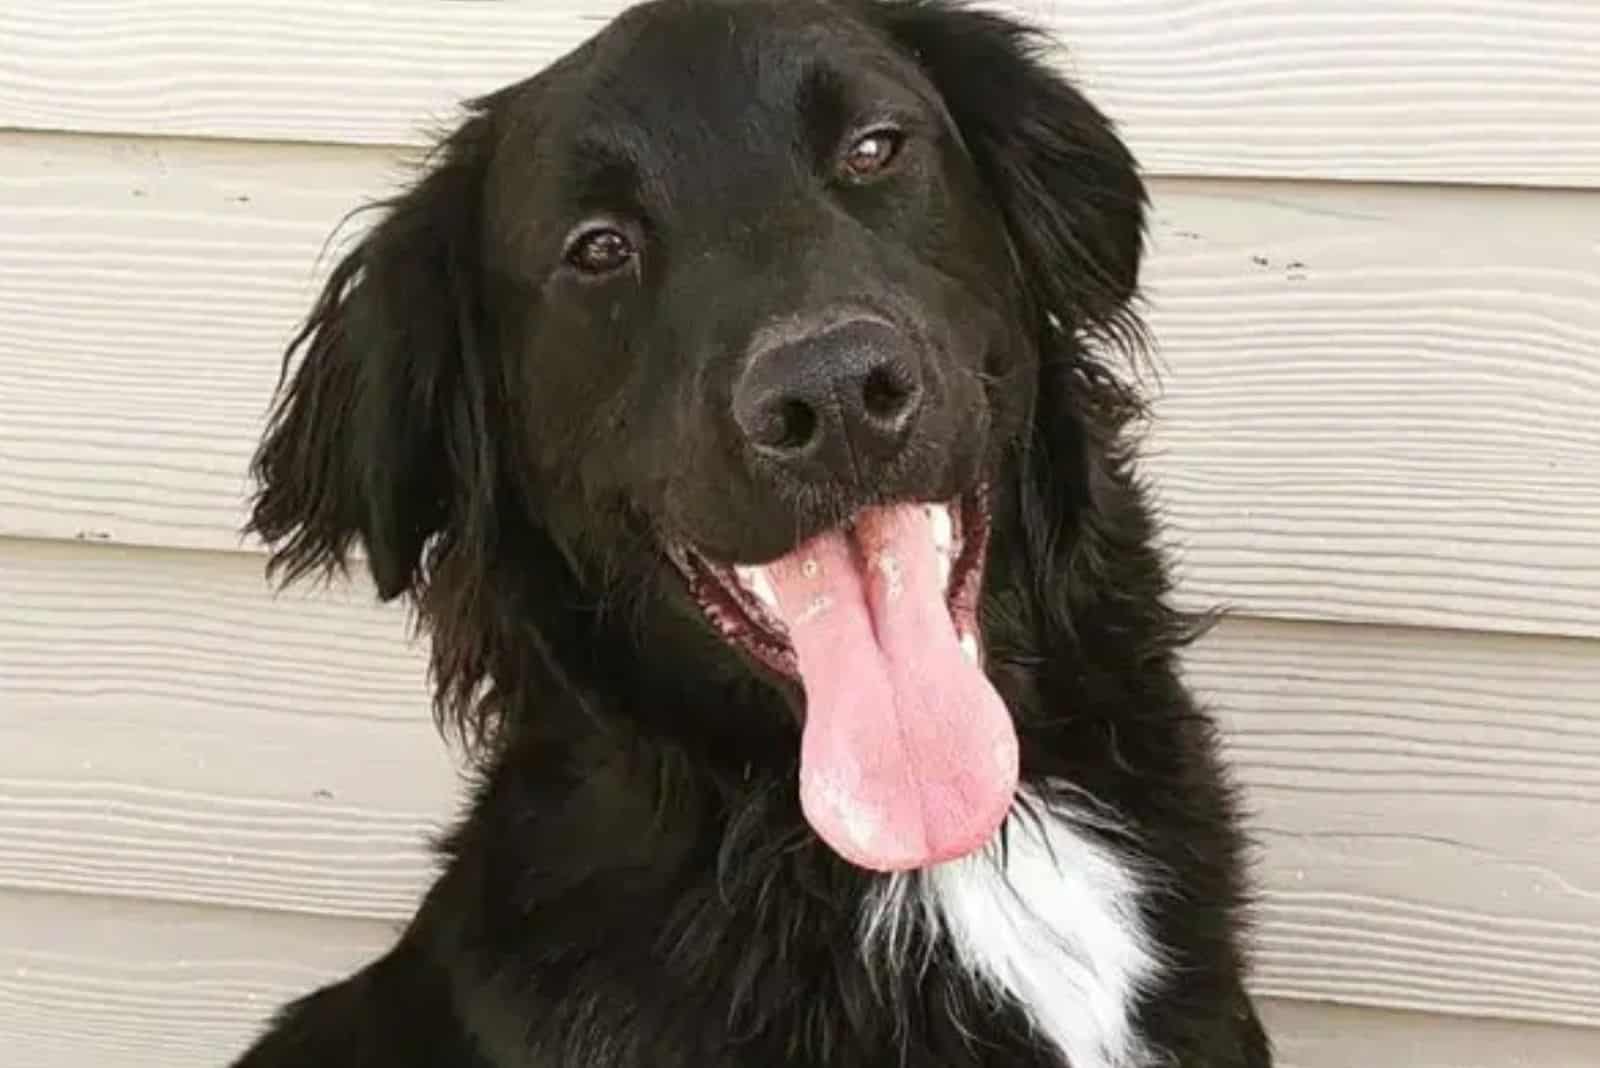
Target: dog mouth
[
  {"x": 741, "y": 602},
  {"x": 908, "y": 755}
]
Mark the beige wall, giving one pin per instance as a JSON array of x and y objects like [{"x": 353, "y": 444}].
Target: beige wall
[{"x": 1376, "y": 283}]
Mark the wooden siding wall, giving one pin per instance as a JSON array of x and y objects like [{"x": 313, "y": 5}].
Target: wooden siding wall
[{"x": 1376, "y": 283}]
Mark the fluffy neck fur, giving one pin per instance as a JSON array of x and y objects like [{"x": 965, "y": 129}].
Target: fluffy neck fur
[{"x": 1047, "y": 919}]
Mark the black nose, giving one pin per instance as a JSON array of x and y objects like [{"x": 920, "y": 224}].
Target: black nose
[{"x": 834, "y": 404}]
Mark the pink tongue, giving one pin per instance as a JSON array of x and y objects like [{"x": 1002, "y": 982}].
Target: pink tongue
[{"x": 909, "y": 757}]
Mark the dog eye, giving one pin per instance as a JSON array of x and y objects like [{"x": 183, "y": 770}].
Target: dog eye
[
  {"x": 600, "y": 250},
  {"x": 873, "y": 152}
]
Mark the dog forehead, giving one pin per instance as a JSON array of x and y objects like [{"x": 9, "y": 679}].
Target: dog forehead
[
  {"x": 662, "y": 28},
  {"x": 725, "y": 66},
  {"x": 698, "y": 115}
]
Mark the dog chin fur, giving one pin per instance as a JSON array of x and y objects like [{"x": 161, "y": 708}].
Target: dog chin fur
[{"x": 1047, "y": 917}]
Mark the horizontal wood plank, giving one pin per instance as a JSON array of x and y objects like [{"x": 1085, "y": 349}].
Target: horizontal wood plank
[
  {"x": 131, "y": 984},
  {"x": 155, "y": 334},
  {"x": 1312, "y": 1035},
  {"x": 1428, "y": 803},
  {"x": 1378, "y": 403},
  {"x": 1373, "y": 411},
  {"x": 171, "y": 730},
  {"x": 1496, "y": 91},
  {"x": 1428, "y": 807}
]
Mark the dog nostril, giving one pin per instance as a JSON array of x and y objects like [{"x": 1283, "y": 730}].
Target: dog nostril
[
  {"x": 781, "y": 424},
  {"x": 797, "y": 425},
  {"x": 886, "y": 395}
]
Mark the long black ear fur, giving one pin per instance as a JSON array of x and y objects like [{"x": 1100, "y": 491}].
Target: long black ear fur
[
  {"x": 1074, "y": 208},
  {"x": 380, "y": 434},
  {"x": 1068, "y": 187}
]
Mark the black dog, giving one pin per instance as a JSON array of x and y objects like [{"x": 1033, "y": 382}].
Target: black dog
[{"x": 732, "y": 400}]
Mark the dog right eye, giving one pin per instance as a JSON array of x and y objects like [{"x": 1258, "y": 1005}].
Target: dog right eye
[
  {"x": 872, "y": 153},
  {"x": 600, "y": 250}
]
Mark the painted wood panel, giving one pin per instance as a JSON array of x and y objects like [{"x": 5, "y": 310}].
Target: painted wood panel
[
  {"x": 1428, "y": 802},
  {"x": 1496, "y": 91},
  {"x": 1428, "y": 807},
  {"x": 1314, "y": 1035},
  {"x": 129, "y": 984},
  {"x": 1378, "y": 401},
  {"x": 122, "y": 984},
  {"x": 170, "y": 730}
]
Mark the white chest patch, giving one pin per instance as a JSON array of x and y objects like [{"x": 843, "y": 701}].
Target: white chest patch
[{"x": 1050, "y": 921}]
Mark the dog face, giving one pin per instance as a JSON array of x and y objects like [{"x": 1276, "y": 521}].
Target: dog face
[
  {"x": 751, "y": 306},
  {"x": 792, "y": 294}
]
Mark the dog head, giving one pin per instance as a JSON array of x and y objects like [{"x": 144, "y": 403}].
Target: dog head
[{"x": 713, "y": 351}]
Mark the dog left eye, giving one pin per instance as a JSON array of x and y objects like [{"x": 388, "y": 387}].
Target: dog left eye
[
  {"x": 601, "y": 250},
  {"x": 873, "y": 152}
]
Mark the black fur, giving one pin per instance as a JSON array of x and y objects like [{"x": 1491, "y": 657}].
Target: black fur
[{"x": 634, "y": 884}]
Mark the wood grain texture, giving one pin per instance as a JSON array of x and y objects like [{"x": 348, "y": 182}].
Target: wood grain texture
[
  {"x": 125, "y": 984},
  {"x": 1312, "y": 1035},
  {"x": 1498, "y": 91},
  {"x": 170, "y": 730},
  {"x": 1428, "y": 802},
  {"x": 1378, "y": 402},
  {"x": 151, "y": 339}
]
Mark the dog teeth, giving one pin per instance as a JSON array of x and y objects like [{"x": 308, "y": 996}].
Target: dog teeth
[
  {"x": 946, "y": 565},
  {"x": 969, "y": 646},
  {"x": 943, "y": 528},
  {"x": 754, "y": 579}
]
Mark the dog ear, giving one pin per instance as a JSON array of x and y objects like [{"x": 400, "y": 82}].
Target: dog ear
[
  {"x": 1074, "y": 209},
  {"x": 1068, "y": 187},
  {"x": 379, "y": 435}
]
